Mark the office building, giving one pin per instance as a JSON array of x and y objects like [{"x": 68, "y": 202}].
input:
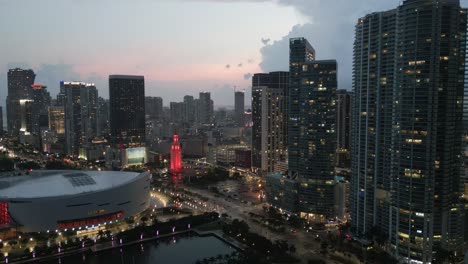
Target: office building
[
  {"x": 177, "y": 112},
  {"x": 269, "y": 129},
  {"x": 19, "y": 88},
  {"x": 407, "y": 127},
  {"x": 57, "y": 119},
  {"x": 41, "y": 102},
  {"x": 190, "y": 111},
  {"x": 80, "y": 115},
  {"x": 154, "y": 107},
  {"x": 239, "y": 108},
  {"x": 127, "y": 110},
  {"x": 205, "y": 108}
]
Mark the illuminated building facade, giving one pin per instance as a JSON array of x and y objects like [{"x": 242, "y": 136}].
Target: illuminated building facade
[
  {"x": 312, "y": 129},
  {"x": 73, "y": 200},
  {"x": 176, "y": 154},
  {"x": 127, "y": 110},
  {"x": 80, "y": 115},
  {"x": 409, "y": 69},
  {"x": 269, "y": 116},
  {"x": 19, "y": 88}
]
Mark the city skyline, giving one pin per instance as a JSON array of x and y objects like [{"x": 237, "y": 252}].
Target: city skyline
[{"x": 173, "y": 58}]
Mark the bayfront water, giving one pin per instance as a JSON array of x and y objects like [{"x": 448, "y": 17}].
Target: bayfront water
[{"x": 182, "y": 249}]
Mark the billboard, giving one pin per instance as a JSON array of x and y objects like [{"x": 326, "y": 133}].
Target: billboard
[{"x": 134, "y": 156}]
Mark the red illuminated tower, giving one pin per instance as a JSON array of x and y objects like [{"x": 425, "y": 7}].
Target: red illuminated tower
[
  {"x": 176, "y": 156},
  {"x": 4, "y": 216}
]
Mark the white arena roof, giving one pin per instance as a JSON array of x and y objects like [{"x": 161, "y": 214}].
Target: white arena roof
[{"x": 48, "y": 183}]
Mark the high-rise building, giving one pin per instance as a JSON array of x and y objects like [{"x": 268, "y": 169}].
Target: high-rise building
[
  {"x": 57, "y": 119},
  {"x": 407, "y": 127},
  {"x": 103, "y": 128},
  {"x": 312, "y": 129},
  {"x": 41, "y": 102},
  {"x": 189, "y": 116},
  {"x": 269, "y": 130},
  {"x": 127, "y": 109},
  {"x": 80, "y": 115},
  {"x": 239, "y": 108},
  {"x": 343, "y": 128},
  {"x": 19, "y": 88},
  {"x": 25, "y": 117},
  {"x": 205, "y": 108},
  {"x": 177, "y": 111},
  {"x": 154, "y": 107}
]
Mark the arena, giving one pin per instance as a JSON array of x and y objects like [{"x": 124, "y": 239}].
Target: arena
[{"x": 71, "y": 200}]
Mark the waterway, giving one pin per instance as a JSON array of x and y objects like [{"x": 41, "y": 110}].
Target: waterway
[{"x": 187, "y": 248}]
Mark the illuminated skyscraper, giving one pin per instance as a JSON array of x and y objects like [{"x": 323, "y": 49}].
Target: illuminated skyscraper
[
  {"x": 312, "y": 129},
  {"x": 127, "y": 110},
  {"x": 408, "y": 76},
  {"x": 19, "y": 88},
  {"x": 57, "y": 119},
  {"x": 176, "y": 154},
  {"x": 80, "y": 115},
  {"x": 269, "y": 116}
]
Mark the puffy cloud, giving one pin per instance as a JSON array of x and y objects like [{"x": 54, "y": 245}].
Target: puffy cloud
[
  {"x": 265, "y": 41},
  {"x": 330, "y": 30},
  {"x": 239, "y": 65},
  {"x": 227, "y": 66},
  {"x": 247, "y": 76}
]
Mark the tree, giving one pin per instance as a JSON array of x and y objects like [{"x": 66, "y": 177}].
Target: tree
[
  {"x": 29, "y": 165},
  {"x": 292, "y": 248},
  {"x": 6, "y": 164}
]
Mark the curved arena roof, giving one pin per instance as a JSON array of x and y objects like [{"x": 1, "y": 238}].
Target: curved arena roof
[{"x": 46, "y": 183}]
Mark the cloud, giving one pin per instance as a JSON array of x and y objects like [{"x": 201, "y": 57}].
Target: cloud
[
  {"x": 247, "y": 76},
  {"x": 330, "y": 30},
  {"x": 239, "y": 65},
  {"x": 249, "y": 61},
  {"x": 227, "y": 66},
  {"x": 265, "y": 41}
]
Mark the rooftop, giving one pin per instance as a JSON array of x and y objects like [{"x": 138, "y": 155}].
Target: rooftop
[
  {"x": 49, "y": 183},
  {"x": 118, "y": 76}
]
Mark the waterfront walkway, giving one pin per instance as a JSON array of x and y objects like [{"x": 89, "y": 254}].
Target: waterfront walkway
[{"x": 102, "y": 246}]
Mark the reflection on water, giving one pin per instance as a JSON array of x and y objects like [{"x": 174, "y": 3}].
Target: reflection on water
[
  {"x": 176, "y": 180},
  {"x": 180, "y": 249}
]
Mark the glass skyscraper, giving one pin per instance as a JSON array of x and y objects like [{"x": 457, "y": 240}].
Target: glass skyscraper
[
  {"x": 311, "y": 129},
  {"x": 127, "y": 110},
  {"x": 409, "y": 67}
]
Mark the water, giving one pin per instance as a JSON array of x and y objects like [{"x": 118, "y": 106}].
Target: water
[{"x": 180, "y": 249}]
